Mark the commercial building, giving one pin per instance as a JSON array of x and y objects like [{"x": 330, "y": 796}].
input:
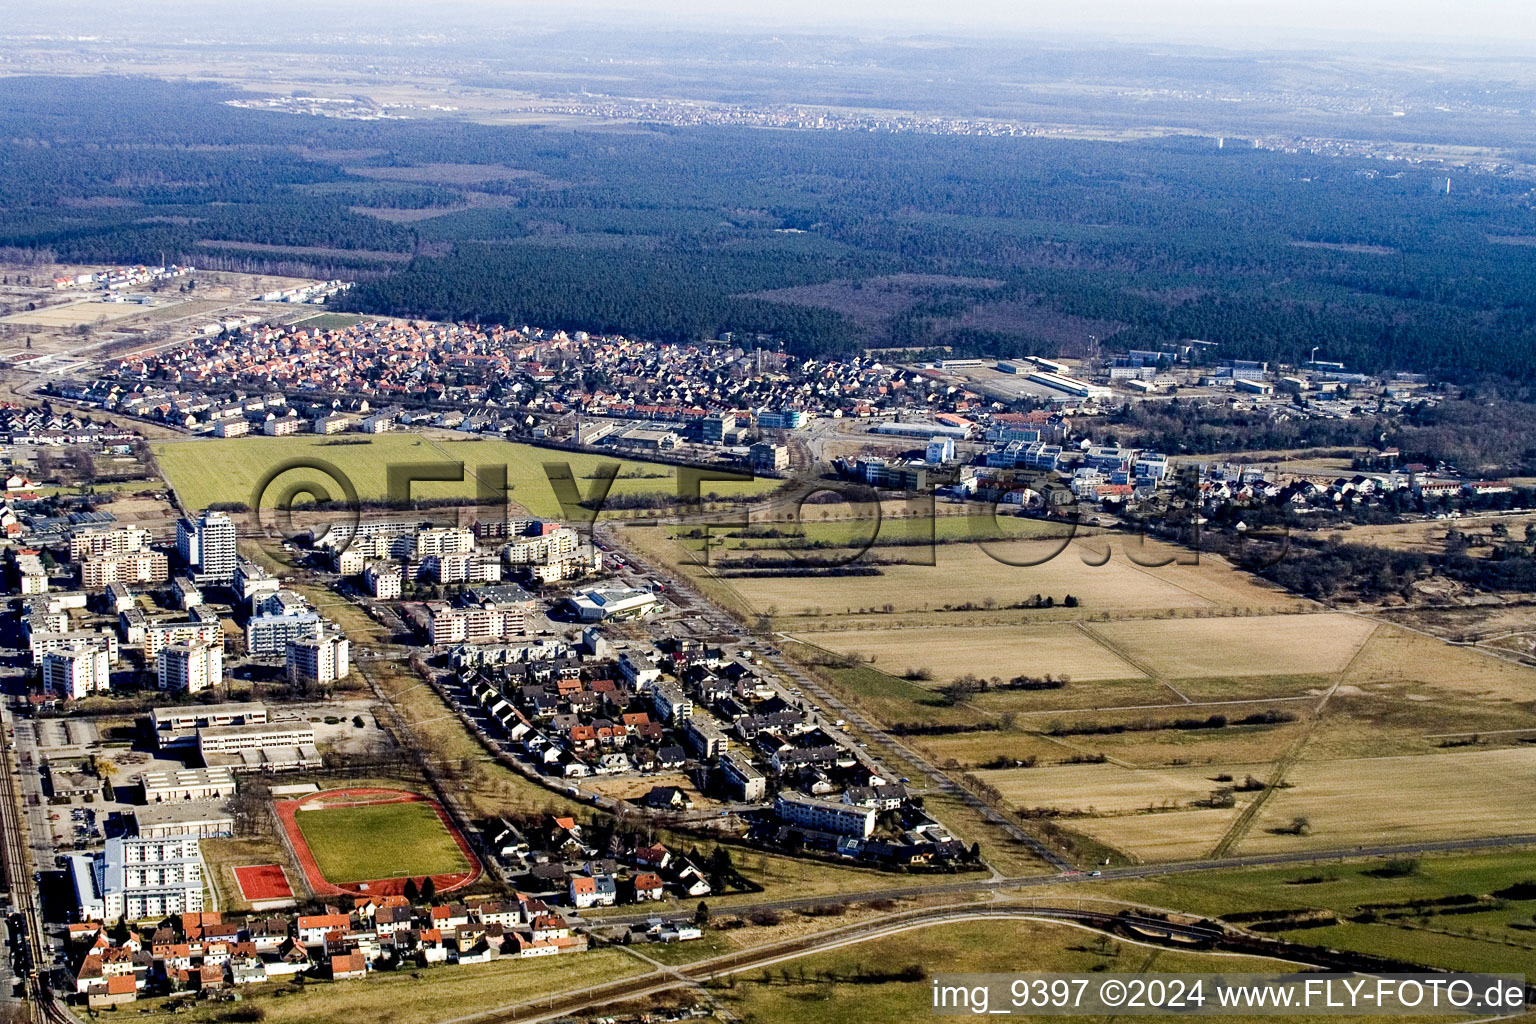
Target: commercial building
[
  {"x": 77, "y": 672},
  {"x": 139, "y": 879},
  {"x": 598, "y": 604},
  {"x": 187, "y": 820},
  {"x": 319, "y": 661},
  {"x": 207, "y": 546},
  {"x": 714, "y": 427},
  {"x": 1070, "y": 385},
  {"x": 188, "y": 784},
  {"x": 769, "y": 458},
  {"x": 190, "y": 668},
  {"x": 825, "y": 815}
]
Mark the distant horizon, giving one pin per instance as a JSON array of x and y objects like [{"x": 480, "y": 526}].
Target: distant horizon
[{"x": 1507, "y": 26}]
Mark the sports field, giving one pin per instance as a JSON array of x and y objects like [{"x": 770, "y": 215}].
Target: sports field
[
  {"x": 261, "y": 882},
  {"x": 372, "y": 840},
  {"x": 208, "y": 470}
]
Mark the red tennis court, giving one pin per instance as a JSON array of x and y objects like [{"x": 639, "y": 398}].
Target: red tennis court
[{"x": 263, "y": 882}]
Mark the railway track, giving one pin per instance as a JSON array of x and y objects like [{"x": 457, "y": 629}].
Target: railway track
[{"x": 41, "y": 1006}]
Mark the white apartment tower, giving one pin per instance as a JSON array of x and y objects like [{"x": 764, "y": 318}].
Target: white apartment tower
[
  {"x": 191, "y": 668},
  {"x": 77, "y": 671},
  {"x": 319, "y": 661},
  {"x": 207, "y": 545}
]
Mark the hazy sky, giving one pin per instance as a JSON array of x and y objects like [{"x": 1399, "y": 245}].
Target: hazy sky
[
  {"x": 1230, "y": 21},
  {"x": 1509, "y": 24}
]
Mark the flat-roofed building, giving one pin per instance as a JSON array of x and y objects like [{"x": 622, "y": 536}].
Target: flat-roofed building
[
  {"x": 748, "y": 783},
  {"x": 825, "y": 815},
  {"x": 77, "y": 672},
  {"x": 383, "y": 580},
  {"x": 95, "y": 542},
  {"x": 207, "y": 545},
  {"x": 188, "y": 819},
  {"x": 42, "y": 643},
  {"x": 252, "y": 581},
  {"x": 598, "y": 604},
  {"x": 129, "y": 567},
  {"x": 350, "y": 560},
  {"x": 133, "y": 624},
  {"x": 448, "y": 540},
  {"x": 474, "y": 625},
  {"x": 269, "y": 635},
  {"x": 118, "y": 599},
  {"x": 319, "y": 661},
  {"x": 139, "y": 879},
  {"x": 705, "y": 737},
  {"x": 274, "y": 746},
  {"x": 188, "y": 784},
  {"x": 178, "y": 726},
  {"x": 190, "y": 668},
  {"x": 160, "y": 635},
  {"x": 188, "y": 596}
]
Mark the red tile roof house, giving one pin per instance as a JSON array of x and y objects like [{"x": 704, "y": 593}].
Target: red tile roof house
[
  {"x": 348, "y": 966},
  {"x": 120, "y": 989},
  {"x": 312, "y": 929},
  {"x": 583, "y": 891},
  {"x": 648, "y": 886}
]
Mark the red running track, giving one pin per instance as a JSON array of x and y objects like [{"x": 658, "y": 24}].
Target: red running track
[{"x": 287, "y": 814}]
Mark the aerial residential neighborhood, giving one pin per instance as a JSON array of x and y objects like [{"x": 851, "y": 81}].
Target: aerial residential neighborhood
[{"x": 617, "y": 513}]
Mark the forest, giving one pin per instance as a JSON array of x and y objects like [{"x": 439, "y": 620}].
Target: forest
[{"x": 1025, "y": 245}]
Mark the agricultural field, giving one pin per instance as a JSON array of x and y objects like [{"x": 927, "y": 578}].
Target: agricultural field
[
  {"x": 1401, "y": 800},
  {"x": 1061, "y": 650},
  {"x": 74, "y": 314},
  {"x": 330, "y": 321},
  {"x": 1181, "y": 680},
  {"x": 1251, "y": 646},
  {"x": 1012, "y": 573},
  {"x": 819, "y": 527},
  {"x": 243, "y": 463}
]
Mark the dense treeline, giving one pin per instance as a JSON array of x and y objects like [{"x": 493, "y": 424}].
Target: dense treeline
[{"x": 671, "y": 232}]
